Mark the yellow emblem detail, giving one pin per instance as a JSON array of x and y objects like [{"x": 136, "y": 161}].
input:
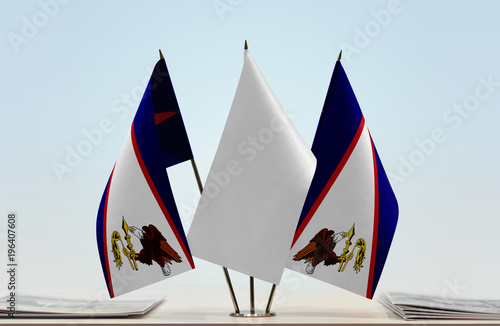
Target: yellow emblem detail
[
  {"x": 132, "y": 256},
  {"x": 343, "y": 259},
  {"x": 128, "y": 251},
  {"x": 347, "y": 256},
  {"x": 115, "y": 237},
  {"x": 358, "y": 263}
]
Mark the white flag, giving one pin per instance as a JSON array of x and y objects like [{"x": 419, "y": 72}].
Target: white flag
[{"x": 256, "y": 187}]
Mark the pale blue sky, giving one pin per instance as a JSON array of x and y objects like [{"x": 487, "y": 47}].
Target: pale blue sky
[{"x": 68, "y": 67}]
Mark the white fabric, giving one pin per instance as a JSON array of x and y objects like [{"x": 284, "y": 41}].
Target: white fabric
[
  {"x": 351, "y": 200},
  {"x": 130, "y": 196},
  {"x": 256, "y": 187}
]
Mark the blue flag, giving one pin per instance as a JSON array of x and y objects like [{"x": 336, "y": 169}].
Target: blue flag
[{"x": 350, "y": 213}]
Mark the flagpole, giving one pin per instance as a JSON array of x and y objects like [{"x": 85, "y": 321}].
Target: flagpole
[
  {"x": 270, "y": 300},
  {"x": 273, "y": 289},
  {"x": 252, "y": 297},
  {"x": 197, "y": 175},
  {"x": 252, "y": 293},
  {"x": 268, "y": 312}
]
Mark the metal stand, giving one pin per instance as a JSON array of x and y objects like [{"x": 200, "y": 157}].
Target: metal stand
[
  {"x": 252, "y": 312},
  {"x": 255, "y": 314}
]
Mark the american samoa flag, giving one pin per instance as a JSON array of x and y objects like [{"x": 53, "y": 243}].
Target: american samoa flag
[
  {"x": 139, "y": 232},
  {"x": 350, "y": 213}
]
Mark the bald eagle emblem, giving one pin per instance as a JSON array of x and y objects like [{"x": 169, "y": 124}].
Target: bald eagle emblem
[
  {"x": 321, "y": 249},
  {"x": 155, "y": 248}
]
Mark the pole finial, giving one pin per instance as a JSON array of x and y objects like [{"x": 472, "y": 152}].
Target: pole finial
[
  {"x": 161, "y": 54},
  {"x": 340, "y": 55},
  {"x": 246, "y": 45}
]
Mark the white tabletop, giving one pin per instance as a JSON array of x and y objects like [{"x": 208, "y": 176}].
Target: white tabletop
[{"x": 295, "y": 307}]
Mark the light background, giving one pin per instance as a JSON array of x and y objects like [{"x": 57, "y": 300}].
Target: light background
[{"x": 86, "y": 62}]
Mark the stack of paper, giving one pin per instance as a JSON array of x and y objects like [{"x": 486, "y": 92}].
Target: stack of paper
[
  {"x": 412, "y": 307},
  {"x": 50, "y": 307}
]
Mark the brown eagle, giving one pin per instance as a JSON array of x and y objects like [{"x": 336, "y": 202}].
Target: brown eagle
[
  {"x": 155, "y": 247},
  {"x": 320, "y": 249}
]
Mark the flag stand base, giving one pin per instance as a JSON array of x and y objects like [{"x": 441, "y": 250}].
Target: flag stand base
[
  {"x": 247, "y": 313},
  {"x": 252, "y": 312}
]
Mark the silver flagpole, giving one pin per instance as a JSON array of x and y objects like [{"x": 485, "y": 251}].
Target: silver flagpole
[
  {"x": 270, "y": 301},
  {"x": 252, "y": 297},
  {"x": 268, "y": 312}
]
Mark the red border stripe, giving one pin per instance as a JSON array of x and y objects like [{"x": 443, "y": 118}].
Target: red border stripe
[
  {"x": 158, "y": 198},
  {"x": 330, "y": 182},
  {"x": 104, "y": 234},
  {"x": 375, "y": 225},
  {"x": 160, "y": 117}
]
